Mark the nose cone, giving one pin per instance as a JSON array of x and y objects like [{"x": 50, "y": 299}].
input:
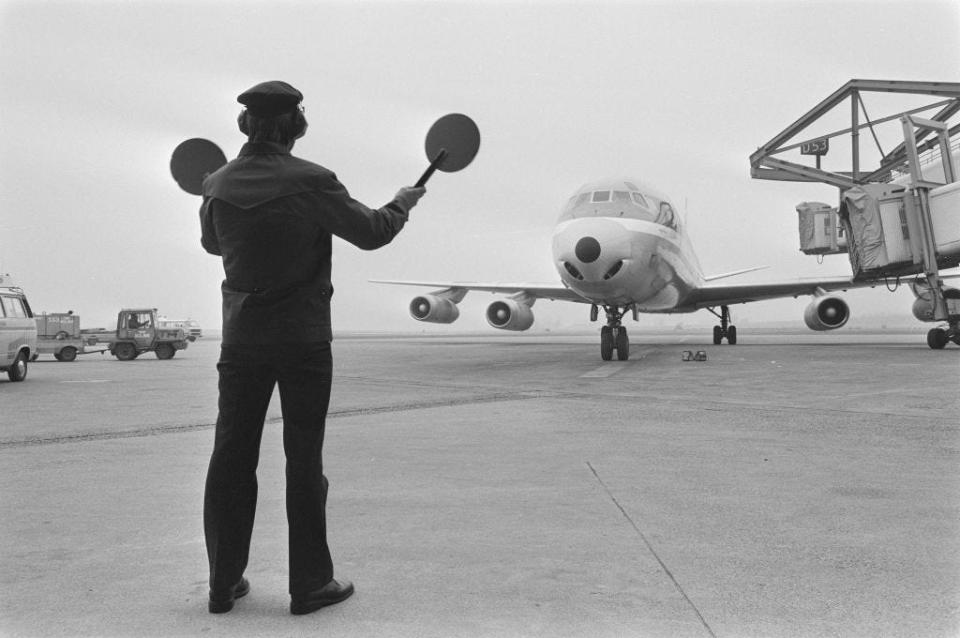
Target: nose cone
[
  {"x": 591, "y": 256},
  {"x": 587, "y": 250}
]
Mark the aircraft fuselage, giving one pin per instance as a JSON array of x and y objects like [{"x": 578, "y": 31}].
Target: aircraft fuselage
[{"x": 620, "y": 243}]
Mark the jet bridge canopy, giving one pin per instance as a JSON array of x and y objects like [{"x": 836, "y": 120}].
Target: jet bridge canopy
[
  {"x": 811, "y": 136},
  {"x": 906, "y": 227}
]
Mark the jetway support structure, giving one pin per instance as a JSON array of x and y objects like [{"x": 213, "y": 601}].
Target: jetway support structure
[
  {"x": 921, "y": 189},
  {"x": 928, "y": 127}
]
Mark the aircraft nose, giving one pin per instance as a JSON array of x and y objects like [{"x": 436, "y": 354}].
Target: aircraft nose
[{"x": 587, "y": 250}]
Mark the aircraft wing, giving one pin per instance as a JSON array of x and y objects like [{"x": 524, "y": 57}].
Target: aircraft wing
[
  {"x": 728, "y": 294},
  {"x": 537, "y": 290}
]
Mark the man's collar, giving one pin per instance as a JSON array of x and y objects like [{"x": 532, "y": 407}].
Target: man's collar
[{"x": 264, "y": 148}]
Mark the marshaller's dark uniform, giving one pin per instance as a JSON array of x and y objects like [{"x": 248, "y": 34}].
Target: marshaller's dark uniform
[{"x": 271, "y": 216}]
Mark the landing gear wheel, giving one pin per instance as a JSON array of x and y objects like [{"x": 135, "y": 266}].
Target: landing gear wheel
[
  {"x": 125, "y": 351},
  {"x": 18, "y": 371},
  {"x": 623, "y": 344},
  {"x": 164, "y": 351},
  {"x": 937, "y": 338},
  {"x": 606, "y": 343},
  {"x": 725, "y": 329}
]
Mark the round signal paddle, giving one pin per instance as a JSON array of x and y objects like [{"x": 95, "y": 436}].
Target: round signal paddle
[
  {"x": 192, "y": 161},
  {"x": 452, "y": 143}
]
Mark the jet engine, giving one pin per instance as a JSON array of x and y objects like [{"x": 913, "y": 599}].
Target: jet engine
[
  {"x": 509, "y": 314},
  {"x": 434, "y": 309},
  {"x": 826, "y": 313},
  {"x": 923, "y": 304}
]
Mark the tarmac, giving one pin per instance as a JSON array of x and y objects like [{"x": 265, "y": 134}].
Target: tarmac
[{"x": 510, "y": 486}]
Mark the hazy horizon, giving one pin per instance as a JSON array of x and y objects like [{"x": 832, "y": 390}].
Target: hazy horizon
[{"x": 96, "y": 95}]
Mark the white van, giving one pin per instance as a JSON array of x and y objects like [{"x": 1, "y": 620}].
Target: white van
[{"x": 18, "y": 330}]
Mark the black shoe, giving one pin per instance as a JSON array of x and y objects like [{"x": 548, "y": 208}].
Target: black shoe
[
  {"x": 330, "y": 594},
  {"x": 222, "y": 603}
]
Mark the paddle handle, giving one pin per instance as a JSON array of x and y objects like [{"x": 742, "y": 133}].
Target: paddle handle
[{"x": 437, "y": 161}]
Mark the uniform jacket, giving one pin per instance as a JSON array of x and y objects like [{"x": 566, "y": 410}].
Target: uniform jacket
[{"x": 271, "y": 216}]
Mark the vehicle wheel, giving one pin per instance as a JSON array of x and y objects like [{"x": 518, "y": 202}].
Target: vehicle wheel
[
  {"x": 606, "y": 343},
  {"x": 125, "y": 351},
  {"x": 18, "y": 371},
  {"x": 623, "y": 344},
  {"x": 717, "y": 335},
  {"x": 164, "y": 351},
  {"x": 732, "y": 335},
  {"x": 56, "y": 355},
  {"x": 69, "y": 353},
  {"x": 956, "y": 338},
  {"x": 937, "y": 338}
]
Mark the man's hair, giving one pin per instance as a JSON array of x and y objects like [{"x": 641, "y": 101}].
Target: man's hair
[{"x": 282, "y": 129}]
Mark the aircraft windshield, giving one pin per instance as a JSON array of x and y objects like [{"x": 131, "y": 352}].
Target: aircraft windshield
[{"x": 629, "y": 204}]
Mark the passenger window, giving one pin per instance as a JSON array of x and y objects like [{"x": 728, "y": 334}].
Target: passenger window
[{"x": 601, "y": 196}]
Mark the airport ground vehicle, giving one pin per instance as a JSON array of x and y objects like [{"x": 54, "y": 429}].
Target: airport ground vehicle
[
  {"x": 58, "y": 333},
  {"x": 138, "y": 331},
  {"x": 191, "y": 327},
  {"x": 18, "y": 331}
]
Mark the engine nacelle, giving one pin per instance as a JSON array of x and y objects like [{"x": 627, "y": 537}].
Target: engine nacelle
[
  {"x": 509, "y": 314},
  {"x": 434, "y": 309},
  {"x": 923, "y": 304},
  {"x": 826, "y": 313}
]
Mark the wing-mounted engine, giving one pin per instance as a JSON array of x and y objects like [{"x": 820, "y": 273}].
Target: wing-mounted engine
[
  {"x": 439, "y": 306},
  {"x": 826, "y": 313},
  {"x": 511, "y": 314}
]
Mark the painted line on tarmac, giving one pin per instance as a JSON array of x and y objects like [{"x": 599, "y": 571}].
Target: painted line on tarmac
[
  {"x": 650, "y": 548},
  {"x": 613, "y": 367},
  {"x": 173, "y": 429},
  {"x": 606, "y": 370}
]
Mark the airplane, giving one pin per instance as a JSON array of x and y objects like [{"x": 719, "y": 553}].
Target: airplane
[{"x": 620, "y": 245}]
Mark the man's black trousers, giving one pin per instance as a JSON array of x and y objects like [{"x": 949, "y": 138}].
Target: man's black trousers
[{"x": 248, "y": 375}]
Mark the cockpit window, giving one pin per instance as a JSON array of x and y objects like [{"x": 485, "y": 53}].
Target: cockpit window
[
  {"x": 601, "y": 196},
  {"x": 628, "y": 203},
  {"x": 666, "y": 216}
]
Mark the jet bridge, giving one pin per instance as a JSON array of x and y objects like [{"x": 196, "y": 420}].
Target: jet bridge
[{"x": 898, "y": 211}]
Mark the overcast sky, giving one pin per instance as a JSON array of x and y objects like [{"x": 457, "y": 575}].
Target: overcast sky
[{"x": 94, "y": 96}]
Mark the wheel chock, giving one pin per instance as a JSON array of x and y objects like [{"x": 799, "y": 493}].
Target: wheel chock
[{"x": 686, "y": 355}]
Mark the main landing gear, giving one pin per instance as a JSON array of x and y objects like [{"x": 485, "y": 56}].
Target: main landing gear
[
  {"x": 724, "y": 330},
  {"x": 613, "y": 336},
  {"x": 937, "y": 338}
]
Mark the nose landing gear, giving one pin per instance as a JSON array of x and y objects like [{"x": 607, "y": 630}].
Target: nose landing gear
[
  {"x": 724, "y": 330},
  {"x": 613, "y": 336}
]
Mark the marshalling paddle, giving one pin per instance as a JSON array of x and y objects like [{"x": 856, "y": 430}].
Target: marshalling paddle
[{"x": 452, "y": 143}]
